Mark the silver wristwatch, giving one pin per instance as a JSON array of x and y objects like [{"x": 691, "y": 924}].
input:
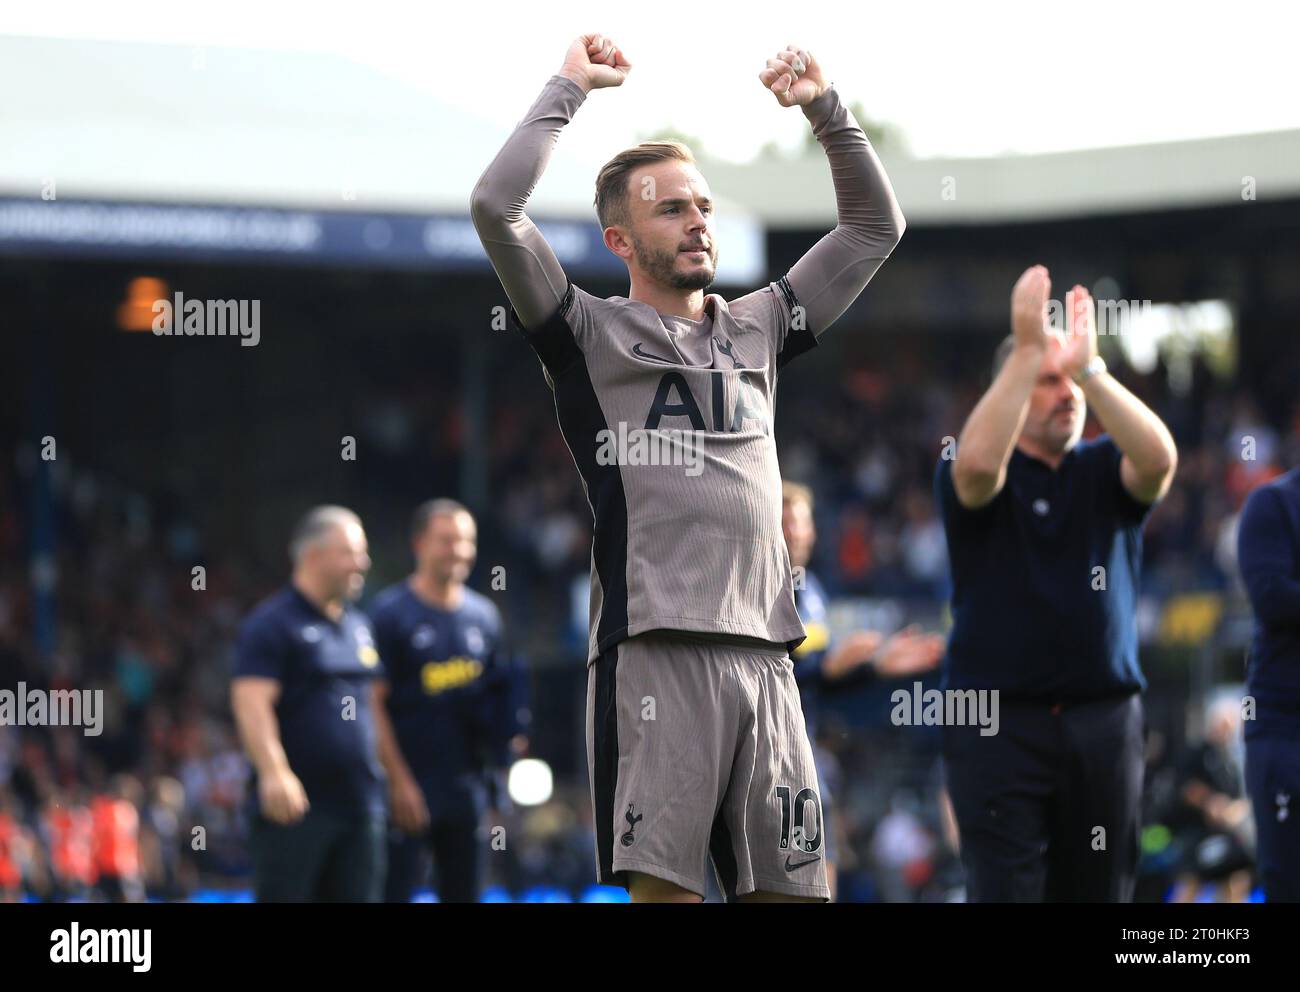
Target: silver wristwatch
[{"x": 1096, "y": 365}]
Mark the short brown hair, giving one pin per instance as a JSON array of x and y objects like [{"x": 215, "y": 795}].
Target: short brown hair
[
  {"x": 796, "y": 492},
  {"x": 611, "y": 183},
  {"x": 426, "y": 511}
]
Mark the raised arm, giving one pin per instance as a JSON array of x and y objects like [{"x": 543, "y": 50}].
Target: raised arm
[
  {"x": 989, "y": 437},
  {"x": 527, "y": 267},
  {"x": 1150, "y": 456},
  {"x": 829, "y": 277}
]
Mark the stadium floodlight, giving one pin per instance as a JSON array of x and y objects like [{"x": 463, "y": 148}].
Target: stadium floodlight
[
  {"x": 1179, "y": 331},
  {"x": 137, "y": 311}
]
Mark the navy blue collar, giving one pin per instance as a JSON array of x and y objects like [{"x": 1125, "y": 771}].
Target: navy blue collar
[
  {"x": 1034, "y": 460},
  {"x": 307, "y": 604}
]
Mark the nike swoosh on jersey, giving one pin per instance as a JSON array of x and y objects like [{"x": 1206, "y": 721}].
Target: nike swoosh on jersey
[{"x": 636, "y": 350}]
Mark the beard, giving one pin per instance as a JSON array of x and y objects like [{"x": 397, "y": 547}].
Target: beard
[
  {"x": 661, "y": 266},
  {"x": 1063, "y": 437},
  {"x": 447, "y": 572}
]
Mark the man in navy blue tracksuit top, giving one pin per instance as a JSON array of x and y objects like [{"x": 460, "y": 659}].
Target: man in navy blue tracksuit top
[
  {"x": 1044, "y": 538},
  {"x": 449, "y": 716},
  {"x": 305, "y": 665},
  {"x": 1268, "y": 553}
]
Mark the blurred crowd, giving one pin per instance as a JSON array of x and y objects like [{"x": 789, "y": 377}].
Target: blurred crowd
[
  {"x": 154, "y": 806},
  {"x": 868, "y": 442}
]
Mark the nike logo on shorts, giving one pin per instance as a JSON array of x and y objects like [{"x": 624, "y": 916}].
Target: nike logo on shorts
[{"x": 790, "y": 867}]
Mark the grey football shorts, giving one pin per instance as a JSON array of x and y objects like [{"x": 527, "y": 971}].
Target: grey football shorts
[{"x": 697, "y": 753}]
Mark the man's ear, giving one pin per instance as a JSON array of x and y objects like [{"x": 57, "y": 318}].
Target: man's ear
[{"x": 616, "y": 240}]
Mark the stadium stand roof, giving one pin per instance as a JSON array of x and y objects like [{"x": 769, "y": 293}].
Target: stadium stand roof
[
  {"x": 149, "y": 125},
  {"x": 941, "y": 191}
]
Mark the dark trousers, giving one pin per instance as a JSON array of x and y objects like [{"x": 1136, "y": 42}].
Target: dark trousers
[
  {"x": 1048, "y": 808},
  {"x": 452, "y": 839},
  {"x": 1273, "y": 781},
  {"x": 327, "y": 856}
]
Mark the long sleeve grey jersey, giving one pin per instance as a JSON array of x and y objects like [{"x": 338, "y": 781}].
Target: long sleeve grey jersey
[{"x": 669, "y": 420}]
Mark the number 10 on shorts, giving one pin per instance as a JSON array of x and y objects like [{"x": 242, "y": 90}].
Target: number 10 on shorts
[{"x": 798, "y": 837}]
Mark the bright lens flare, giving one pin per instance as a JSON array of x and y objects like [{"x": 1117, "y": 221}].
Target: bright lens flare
[{"x": 530, "y": 782}]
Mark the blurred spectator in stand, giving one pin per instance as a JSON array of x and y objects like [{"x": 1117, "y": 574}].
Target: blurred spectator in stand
[
  {"x": 116, "y": 820},
  {"x": 1215, "y": 829}
]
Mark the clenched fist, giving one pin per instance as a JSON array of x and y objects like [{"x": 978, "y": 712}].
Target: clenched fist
[
  {"x": 284, "y": 800},
  {"x": 410, "y": 812},
  {"x": 794, "y": 77},
  {"x": 594, "y": 62}
]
